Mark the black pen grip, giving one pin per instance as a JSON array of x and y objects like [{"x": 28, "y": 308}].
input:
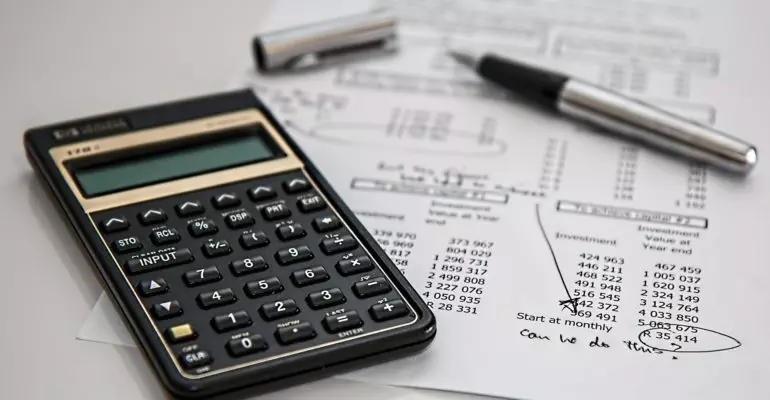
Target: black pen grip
[{"x": 524, "y": 81}]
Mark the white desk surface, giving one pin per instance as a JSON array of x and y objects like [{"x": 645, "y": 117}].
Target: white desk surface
[{"x": 66, "y": 59}]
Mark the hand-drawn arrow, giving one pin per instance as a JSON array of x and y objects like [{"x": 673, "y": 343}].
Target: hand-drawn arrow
[{"x": 571, "y": 303}]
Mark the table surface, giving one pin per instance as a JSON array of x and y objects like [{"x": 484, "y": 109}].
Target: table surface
[{"x": 64, "y": 59}]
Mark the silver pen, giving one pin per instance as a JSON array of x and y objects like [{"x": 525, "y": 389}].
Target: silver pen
[{"x": 614, "y": 112}]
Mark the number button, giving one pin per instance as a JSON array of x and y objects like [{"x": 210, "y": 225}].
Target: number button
[
  {"x": 216, "y": 298},
  {"x": 326, "y": 223},
  {"x": 272, "y": 212},
  {"x": 293, "y": 255},
  {"x": 189, "y": 208},
  {"x": 216, "y": 248},
  {"x": 289, "y": 232},
  {"x": 152, "y": 216},
  {"x": 225, "y": 200},
  {"x": 239, "y": 219},
  {"x": 202, "y": 227},
  {"x": 309, "y": 276},
  {"x": 127, "y": 244},
  {"x": 164, "y": 236},
  {"x": 342, "y": 322},
  {"x": 296, "y": 185},
  {"x": 338, "y": 244},
  {"x": 389, "y": 310},
  {"x": 202, "y": 276},
  {"x": 356, "y": 265},
  {"x": 325, "y": 298},
  {"x": 114, "y": 224},
  {"x": 248, "y": 265},
  {"x": 278, "y": 309},
  {"x": 295, "y": 333},
  {"x": 247, "y": 345},
  {"x": 153, "y": 287},
  {"x": 231, "y": 321},
  {"x": 371, "y": 287},
  {"x": 260, "y": 193},
  {"x": 263, "y": 287},
  {"x": 311, "y": 203},
  {"x": 251, "y": 240},
  {"x": 166, "y": 310}
]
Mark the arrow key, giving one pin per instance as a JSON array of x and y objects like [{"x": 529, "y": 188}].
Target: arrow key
[
  {"x": 326, "y": 223},
  {"x": 296, "y": 185},
  {"x": 225, "y": 200},
  {"x": 153, "y": 287},
  {"x": 189, "y": 208},
  {"x": 168, "y": 309},
  {"x": 114, "y": 224},
  {"x": 260, "y": 193},
  {"x": 152, "y": 216}
]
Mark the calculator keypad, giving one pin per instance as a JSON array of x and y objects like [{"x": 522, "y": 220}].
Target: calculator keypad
[{"x": 234, "y": 274}]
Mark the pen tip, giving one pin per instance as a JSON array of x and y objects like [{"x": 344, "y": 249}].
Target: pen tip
[{"x": 464, "y": 57}]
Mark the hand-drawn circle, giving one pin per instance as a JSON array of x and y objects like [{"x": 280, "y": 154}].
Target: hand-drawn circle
[{"x": 736, "y": 342}]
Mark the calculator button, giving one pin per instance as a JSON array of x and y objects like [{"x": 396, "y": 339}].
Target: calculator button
[
  {"x": 225, "y": 200},
  {"x": 201, "y": 276},
  {"x": 389, "y": 310},
  {"x": 310, "y": 204},
  {"x": 216, "y": 248},
  {"x": 250, "y": 240},
  {"x": 246, "y": 345},
  {"x": 153, "y": 287},
  {"x": 275, "y": 211},
  {"x": 167, "y": 309},
  {"x": 295, "y": 333},
  {"x": 278, "y": 309},
  {"x": 309, "y": 276},
  {"x": 263, "y": 287},
  {"x": 180, "y": 333},
  {"x": 114, "y": 224},
  {"x": 325, "y": 298},
  {"x": 293, "y": 255},
  {"x": 289, "y": 232},
  {"x": 189, "y": 208},
  {"x": 338, "y": 244},
  {"x": 216, "y": 298},
  {"x": 342, "y": 322},
  {"x": 164, "y": 236},
  {"x": 239, "y": 219},
  {"x": 158, "y": 261},
  {"x": 296, "y": 185},
  {"x": 372, "y": 287},
  {"x": 202, "y": 227},
  {"x": 126, "y": 244},
  {"x": 326, "y": 223},
  {"x": 233, "y": 320},
  {"x": 248, "y": 265},
  {"x": 354, "y": 265},
  {"x": 260, "y": 193},
  {"x": 195, "y": 359},
  {"x": 152, "y": 216}
]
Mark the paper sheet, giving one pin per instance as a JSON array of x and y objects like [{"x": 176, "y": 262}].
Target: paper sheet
[{"x": 559, "y": 262}]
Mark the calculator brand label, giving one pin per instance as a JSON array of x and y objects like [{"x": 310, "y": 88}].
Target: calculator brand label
[{"x": 108, "y": 125}]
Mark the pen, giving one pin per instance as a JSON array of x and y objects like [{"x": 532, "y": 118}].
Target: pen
[{"x": 613, "y": 111}]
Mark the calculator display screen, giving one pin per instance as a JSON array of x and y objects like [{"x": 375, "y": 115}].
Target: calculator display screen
[{"x": 179, "y": 162}]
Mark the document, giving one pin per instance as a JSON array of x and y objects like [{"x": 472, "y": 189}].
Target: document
[{"x": 560, "y": 262}]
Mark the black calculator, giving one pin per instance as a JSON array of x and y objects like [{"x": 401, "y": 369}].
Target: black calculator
[{"x": 233, "y": 261}]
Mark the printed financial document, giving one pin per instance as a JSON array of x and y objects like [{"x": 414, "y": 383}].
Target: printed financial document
[{"x": 560, "y": 262}]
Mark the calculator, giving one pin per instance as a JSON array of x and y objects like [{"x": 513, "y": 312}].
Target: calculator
[{"x": 233, "y": 261}]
